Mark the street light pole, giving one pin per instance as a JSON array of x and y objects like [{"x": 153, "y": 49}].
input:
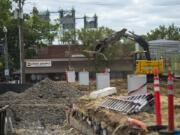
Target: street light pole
[
  {"x": 6, "y": 71},
  {"x": 21, "y": 44}
]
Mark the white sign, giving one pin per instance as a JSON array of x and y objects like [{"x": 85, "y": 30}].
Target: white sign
[
  {"x": 6, "y": 72},
  {"x": 39, "y": 63}
]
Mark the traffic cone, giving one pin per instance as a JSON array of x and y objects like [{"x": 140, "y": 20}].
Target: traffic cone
[
  {"x": 170, "y": 130},
  {"x": 157, "y": 104},
  {"x": 170, "y": 102}
]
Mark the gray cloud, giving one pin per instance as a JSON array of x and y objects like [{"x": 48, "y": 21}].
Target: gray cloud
[
  {"x": 166, "y": 2},
  {"x": 138, "y": 15}
]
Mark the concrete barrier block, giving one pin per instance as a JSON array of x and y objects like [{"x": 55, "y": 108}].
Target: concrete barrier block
[
  {"x": 103, "y": 92},
  {"x": 84, "y": 78},
  {"x": 71, "y": 76},
  {"x": 102, "y": 80}
]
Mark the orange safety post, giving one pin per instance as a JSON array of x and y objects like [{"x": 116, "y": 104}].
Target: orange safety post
[
  {"x": 170, "y": 102},
  {"x": 157, "y": 104}
]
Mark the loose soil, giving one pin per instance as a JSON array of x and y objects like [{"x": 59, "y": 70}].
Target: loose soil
[{"x": 40, "y": 110}]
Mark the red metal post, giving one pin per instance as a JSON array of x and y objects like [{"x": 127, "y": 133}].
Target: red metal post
[
  {"x": 157, "y": 104},
  {"x": 170, "y": 102}
]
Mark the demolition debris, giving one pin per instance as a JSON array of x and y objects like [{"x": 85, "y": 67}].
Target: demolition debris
[{"x": 130, "y": 104}]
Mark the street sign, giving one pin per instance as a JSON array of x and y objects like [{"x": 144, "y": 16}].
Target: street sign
[
  {"x": 38, "y": 63},
  {"x": 6, "y": 72}
]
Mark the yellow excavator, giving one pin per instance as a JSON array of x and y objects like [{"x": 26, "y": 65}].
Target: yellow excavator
[{"x": 143, "y": 66}]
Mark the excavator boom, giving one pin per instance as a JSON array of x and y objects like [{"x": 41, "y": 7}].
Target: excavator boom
[{"x": 103, "y": 44}]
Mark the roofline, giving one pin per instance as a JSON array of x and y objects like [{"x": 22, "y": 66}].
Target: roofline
[
  {"x": 164, "y": 40},
  {"x": 59, "y": 59}
]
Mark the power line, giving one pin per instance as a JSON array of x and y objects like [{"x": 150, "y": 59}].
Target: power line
[
  {"x": 107, "y": 4},
  {"x": 91, "y": 3}
]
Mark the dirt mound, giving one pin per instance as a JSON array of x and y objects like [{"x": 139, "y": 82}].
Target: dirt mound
[
  {"x": 44, "y": 102},
  {"x": 50, "y": 90}
]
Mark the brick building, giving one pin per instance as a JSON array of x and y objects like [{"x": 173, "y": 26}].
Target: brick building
[{"x": 54, "y": 60}]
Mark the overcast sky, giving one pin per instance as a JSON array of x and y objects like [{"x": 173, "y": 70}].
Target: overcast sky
[{"x": 139, "y": 16}]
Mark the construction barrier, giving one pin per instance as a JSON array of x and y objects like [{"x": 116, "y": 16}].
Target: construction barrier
[
  {"x": 170, "y": 102},
  {"x": 157, "y": 98},
  {"x": 102, "y": 80},
  {"x": 84, "y": 78},
  {"x": 137, "y": 84},
  {"x": 70, "y": 76}
]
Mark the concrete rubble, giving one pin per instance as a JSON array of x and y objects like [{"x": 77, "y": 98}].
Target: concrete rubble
[{"x": 103, "y": 92}]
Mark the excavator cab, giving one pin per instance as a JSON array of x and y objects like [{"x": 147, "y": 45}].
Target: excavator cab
[
  {"x": 144, "y": 66},
  {"x": 143, "y": 62}
]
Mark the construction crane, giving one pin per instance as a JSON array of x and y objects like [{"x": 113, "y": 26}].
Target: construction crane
[{"x": 143, "y": 66}]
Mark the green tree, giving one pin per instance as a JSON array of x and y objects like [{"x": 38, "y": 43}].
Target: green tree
[
  {"x": 170, "y": 32},
  {"x": 68, "y": 37},
  {"x": 38, "y": 32},
  {"x": 5, "y": 7},
  {"x": 89, "y": 37}
]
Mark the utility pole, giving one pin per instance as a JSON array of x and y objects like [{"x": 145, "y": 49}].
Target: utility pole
[
  {"x": 21, "y": 43},
  {"x": 6, "y": 71}
]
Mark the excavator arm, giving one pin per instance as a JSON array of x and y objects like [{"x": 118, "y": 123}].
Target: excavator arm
[
  {"x": 103, "y": 44},
  {"x": 141, "y": 41}
]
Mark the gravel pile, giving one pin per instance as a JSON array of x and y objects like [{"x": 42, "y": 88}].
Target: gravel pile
[
  {"x": 48, "y": 90},
  {"x": 44, "y": 102}
]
